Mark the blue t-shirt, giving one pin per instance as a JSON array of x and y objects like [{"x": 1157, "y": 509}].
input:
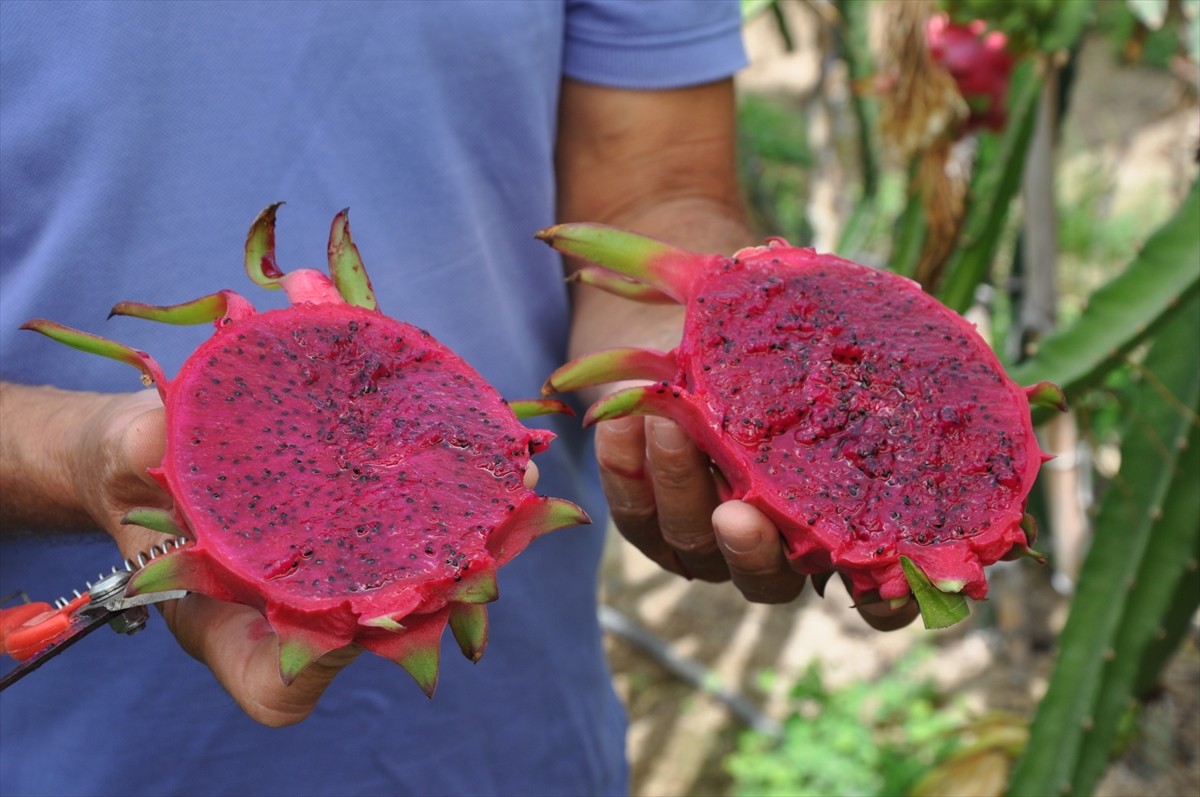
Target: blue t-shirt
[{"x": 137, "y": 142}]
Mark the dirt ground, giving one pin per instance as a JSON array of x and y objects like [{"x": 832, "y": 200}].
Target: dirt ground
[
  {"x": 1001, "y": 657},
  {"x": 679, "y": 734}
]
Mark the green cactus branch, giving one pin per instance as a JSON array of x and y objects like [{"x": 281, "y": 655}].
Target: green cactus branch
[
  {"x": 855, "y": 50},
  {"x": 1121, "y": 313},
  {"x": 998, "y": 171},
  {"x": 1169, "y": 561},
  {"x": 995, "y": 181},
  {"x": 909, "y": 234},
  {"x": 1172, "y": 627},
  {"x": 1140, "y": 585},
  {"x": 1142, "y": 558}
]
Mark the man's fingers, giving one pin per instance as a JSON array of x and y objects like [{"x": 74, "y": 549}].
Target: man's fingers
[
  {"x": 531, "y": 476},
  {"x": 663, "y": 499},
  {"x": 754, "y": 550},
  {"x": 142, "y": 444},
  {"x": 882, "y": 617},
  {"x": 621, "y": 454},
  {"x": 686, "y": 497},
  {"x": 235, "y": 642}
]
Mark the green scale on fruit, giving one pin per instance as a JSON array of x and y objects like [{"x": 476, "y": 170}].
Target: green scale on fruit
[
  {"x": 870, "y": 423},
  {"x": 338, "y": 470}
]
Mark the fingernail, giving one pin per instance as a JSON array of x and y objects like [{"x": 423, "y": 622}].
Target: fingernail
[
  {"x": 621, "y": 425},
  {"x": 738, "y": 543},
  {"x": 668, "y": 435},
  {"x": 680, "y": 567}
]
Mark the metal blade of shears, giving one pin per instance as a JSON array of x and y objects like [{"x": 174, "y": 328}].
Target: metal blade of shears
[{"x": 104, "y": 603}]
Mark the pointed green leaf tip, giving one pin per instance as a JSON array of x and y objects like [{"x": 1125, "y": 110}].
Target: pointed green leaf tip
[
  {"x": 620, "y": 285},
  {"x": 159, "y": 520},
  {"x": 1047, "y": 394},
  {"x": 939, "y": 609},
  {"x": 260, "y": 250},
  {"x": 171, "y": 571},
  {"x": 295, "y": 655},
  {"x": 384, "y": 621},
  {"x": 661, "y": 398},
  {"x": 346, "y": 265},
  {"x": 422, "y": 665},
  {"x": 1030, "y": 527},
  {"x": 223, "y": 304},
  {"x": 532, "y": 519},
  {"x": 531, "y": 408},
  {"x": 478, "y": 586},
  {"x": 611, "y": 365},
  {"x": 647, "y": 260},
  {"x": 820, "y": 580},
  {"x": 94, "y": 344},
  {"x": 469, "y": 624}
]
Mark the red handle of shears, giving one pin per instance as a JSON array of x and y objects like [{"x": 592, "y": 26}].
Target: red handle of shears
[{"x": 29, "y": 628}]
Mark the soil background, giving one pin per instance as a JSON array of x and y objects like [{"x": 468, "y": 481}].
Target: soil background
[{"x": 1141, "y": 127}]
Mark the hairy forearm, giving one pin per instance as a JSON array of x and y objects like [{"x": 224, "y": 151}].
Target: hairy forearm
[
  {"x": 37, "y": 434},
  {"x": 658, "y": 163}
]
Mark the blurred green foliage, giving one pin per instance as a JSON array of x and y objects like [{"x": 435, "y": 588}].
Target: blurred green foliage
[
  {"x": 775, "y": 162},
  {"x": 1127, "y": 352},
  {"x": 858, "y": 739}
]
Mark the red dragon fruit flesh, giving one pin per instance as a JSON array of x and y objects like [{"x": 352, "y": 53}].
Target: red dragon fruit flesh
[
  {"x": 871, "y": 423},
  {"x": 340, "y": 471}
]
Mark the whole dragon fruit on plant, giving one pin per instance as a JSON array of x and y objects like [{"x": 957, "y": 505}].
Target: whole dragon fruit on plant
[
  {"x": 340, "y": 471},
  {"x": 872, "y": 424},
  {"x": 979, "y": 62}
]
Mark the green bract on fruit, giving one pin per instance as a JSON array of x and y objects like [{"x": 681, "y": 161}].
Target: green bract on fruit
[
  {"x": 338, "y": 470},
  {"x": 872, "y": 424}
]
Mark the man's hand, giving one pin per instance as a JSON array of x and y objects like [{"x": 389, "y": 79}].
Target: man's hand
[
  {"x": 79, "y": 460},
  {"x": 663, "y": 498},
  {"x": 662, "y": 163},
  {"x": 234, "y": 641}
]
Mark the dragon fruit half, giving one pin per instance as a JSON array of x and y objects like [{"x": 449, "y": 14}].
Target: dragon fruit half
[
  {"x": 340, "y": 471},
  {"x": 872, "y": 424}
]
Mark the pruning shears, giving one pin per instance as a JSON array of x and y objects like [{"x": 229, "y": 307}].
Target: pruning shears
[{"x": 34, "y": 632}]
